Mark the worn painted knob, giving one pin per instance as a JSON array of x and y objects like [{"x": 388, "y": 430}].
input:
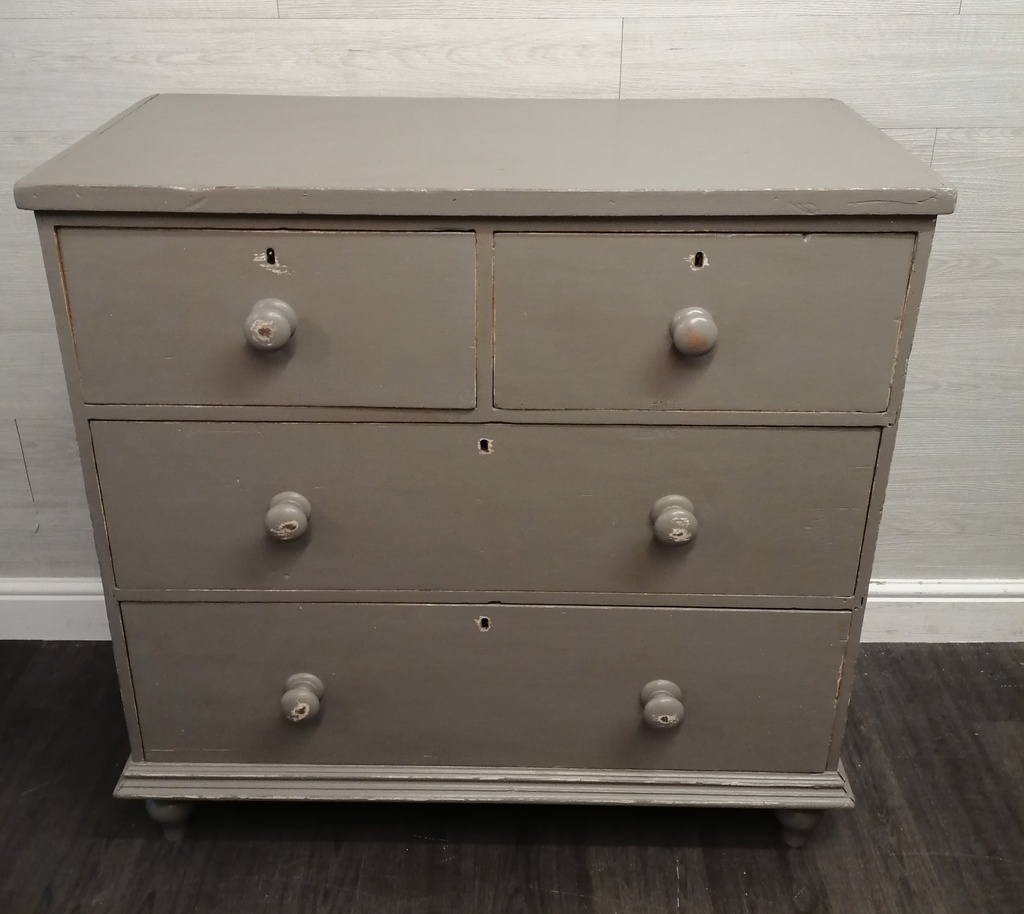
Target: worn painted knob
[
  {"x": 270, "y": 324},
  {"x": 288, "y": 516},
  {"x": 673, "y": 520},
  {"x": 694, "y": 331},
  {"x": 663, "y": 706},
  {"x": 301, "y": 699}
]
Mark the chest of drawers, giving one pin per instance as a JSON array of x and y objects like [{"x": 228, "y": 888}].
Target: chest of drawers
[{"x": 486, "y": 450}]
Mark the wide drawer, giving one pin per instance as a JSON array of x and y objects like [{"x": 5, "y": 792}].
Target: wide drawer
[
  {"x": 805, "y": 322},
  {"x": 485, "y": 508},
  {"x": 486, "y": 685},
  {"x": 382, "y": 318}
]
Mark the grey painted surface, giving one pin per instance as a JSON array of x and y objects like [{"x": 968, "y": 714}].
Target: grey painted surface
[
  {"x": 55, "y": 283},
  {"x": 805, "y": 322},
  {"x": 419, "y": 507},
  {"x": 384, "y": 319},
  {"x": 488, "y": 157},
  {"x": 541, "y": 686},
  {"x": 971, "y": 301},
  {"x": 225, "y": 781},
  {"x": 763, "y": 514},
  {"x": 63, "y": 76}
]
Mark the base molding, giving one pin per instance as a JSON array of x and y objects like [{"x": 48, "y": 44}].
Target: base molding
[
  {"x": 935, "y": 610},
  {"x": 945, "y": 610},
  {"x": 223, "y": 781},
  {"x": 52, "y": 609}
]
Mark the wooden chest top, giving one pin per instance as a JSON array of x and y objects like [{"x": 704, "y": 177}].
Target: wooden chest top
[{"x": 487, "y": 157}]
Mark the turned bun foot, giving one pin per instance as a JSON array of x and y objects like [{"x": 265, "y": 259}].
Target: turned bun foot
[
  {"x": 797, "y": 824},
  {"x": 173, "y": 815}
]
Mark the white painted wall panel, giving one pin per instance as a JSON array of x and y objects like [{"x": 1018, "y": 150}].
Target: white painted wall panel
[
  {"x": 899, "y": 71},
  {"x": 578, "y": 9},
  {"x": 139, "y": 9},
  {"x": 987, "y": 166},
  {"x": 14, "y": 488},
  {"x": 51, "y": 462},
  {"x": 920, "y": 140},
  {"x": 955, "y": 501},
  {"x": 995, "y": 7},
  {"x": 79, "y": 73},
  {"x": 32, "y": 376},
  {"x": 968, "y": 356},
  {"x": 43, "y": 541}
]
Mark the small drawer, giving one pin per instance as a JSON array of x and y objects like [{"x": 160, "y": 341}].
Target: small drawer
[
  {"x": 534, "y": 686},
  {"x": 778, "y": 322},
  {"x": 485, "y": 508},
  {"x": 163, "y": 316}
]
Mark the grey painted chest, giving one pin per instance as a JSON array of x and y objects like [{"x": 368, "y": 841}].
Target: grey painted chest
[{"x": 486, "y": 450}]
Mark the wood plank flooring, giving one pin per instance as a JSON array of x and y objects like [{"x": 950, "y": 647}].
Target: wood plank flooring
[{"x": 935, "y": 751}]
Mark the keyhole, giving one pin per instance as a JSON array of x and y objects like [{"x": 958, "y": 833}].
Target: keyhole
[
  {"x": 271, "y": 256},
  {"x": 699, "y": 260},
  {"x": 485, "y": 445},
  {"x": 484, "y": 623}
]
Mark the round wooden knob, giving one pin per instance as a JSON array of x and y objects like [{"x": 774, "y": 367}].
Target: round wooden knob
[
  {"x": 270, "y": 324},
  {"x": 673, "y": 520},
  {"x": 301, "y": 699},
  {"x": 663, "y": 706},
  {"x": 694, "y": 331},
  {"x": 288, "y": 516}
]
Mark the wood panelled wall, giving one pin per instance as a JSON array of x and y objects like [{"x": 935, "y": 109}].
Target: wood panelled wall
[{"x": 944, "y": 77}]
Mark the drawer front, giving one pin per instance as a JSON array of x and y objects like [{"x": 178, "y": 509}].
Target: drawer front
[
  {"x": 381, "y": 318},
  {"x": 545, "y": 509},
  {"x": 531, "y": 686},
  {"x": 804, "y": 322}
]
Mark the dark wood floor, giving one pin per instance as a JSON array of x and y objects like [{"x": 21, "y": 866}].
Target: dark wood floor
[{"x": 935, "y": 751}]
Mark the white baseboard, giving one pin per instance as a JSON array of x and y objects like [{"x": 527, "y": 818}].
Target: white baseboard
[
  {"x": 52, "y": 609},
  {"x": 972, "y": 609},
  {"x": 969, "y": 609}
]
